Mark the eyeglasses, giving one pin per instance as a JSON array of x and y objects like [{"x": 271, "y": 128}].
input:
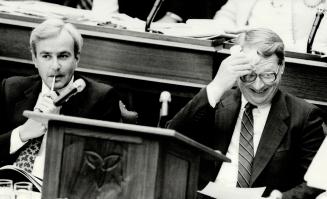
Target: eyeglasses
[{"x": 267, "y": 78}]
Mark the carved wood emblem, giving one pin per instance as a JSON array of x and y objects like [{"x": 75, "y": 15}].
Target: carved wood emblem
[{"x": 100, "y": 166}]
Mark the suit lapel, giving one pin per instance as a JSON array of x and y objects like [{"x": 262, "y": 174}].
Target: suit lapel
[
  {"x": 272, "y": 135},
  {"x": 28, "y": 101},
  {"x": 226, "y": 116},
  {"x": 73, "y": 105}
]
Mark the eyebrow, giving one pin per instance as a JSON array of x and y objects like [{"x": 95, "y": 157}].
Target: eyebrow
[
  {"x": 44, "y": 52},
  {"x": 62, "y": 52}
]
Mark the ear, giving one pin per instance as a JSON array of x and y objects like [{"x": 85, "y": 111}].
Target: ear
[
  {"x": 34, "y": 60},
  {"x": 282, "y": 67},
  {"x": 77, "y": 57}
]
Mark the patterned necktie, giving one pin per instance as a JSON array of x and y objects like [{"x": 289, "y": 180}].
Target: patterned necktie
[
  {"x": 246, "y": 152},
  {"x": 84, "y": 4},
  {"x": 27, "y": 156}
]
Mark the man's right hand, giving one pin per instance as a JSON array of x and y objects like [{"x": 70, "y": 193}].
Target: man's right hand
[
  {"x": 229, "y": 71},
  {"x": 45, "y": 104},
  {"x": 33, "y": 129}
]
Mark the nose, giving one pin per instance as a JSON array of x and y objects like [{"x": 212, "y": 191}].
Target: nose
[
  {"x": 258, "y": 84},
  {"x": 55, "y": 65}
]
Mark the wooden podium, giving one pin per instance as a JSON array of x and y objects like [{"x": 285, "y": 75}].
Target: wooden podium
[{"x": 98, "y": 159}]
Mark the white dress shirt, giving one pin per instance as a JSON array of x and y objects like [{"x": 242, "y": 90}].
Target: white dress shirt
[
  {"x": 229, "y": 171},
  {"x": 290, "y": 19},
  {"x": 16, "y": 143}
]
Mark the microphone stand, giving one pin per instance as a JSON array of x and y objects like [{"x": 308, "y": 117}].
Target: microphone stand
[
  {"x": 153, "y": 12},
  {"x": 315, "y": 26}
]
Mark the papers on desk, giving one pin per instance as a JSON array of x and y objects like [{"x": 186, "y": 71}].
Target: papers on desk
[
  {"x": 195, "y": 28},
  {"x": 316, "y": 175},
  {"x": 42, "y": 10},
  {"x": 219, "y": 191}
]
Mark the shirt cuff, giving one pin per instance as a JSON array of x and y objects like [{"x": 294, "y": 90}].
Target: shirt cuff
[
  {"x": 15, "y": 141},
  {"x": 210, "y": 94}
]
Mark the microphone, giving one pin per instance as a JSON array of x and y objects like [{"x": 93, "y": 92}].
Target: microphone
[
  {"x": 315, "y": 26},
  {"x": 153, "y": 12},
  {"x": 164, "y": 98},
  {"x": 76, "y": 87}
]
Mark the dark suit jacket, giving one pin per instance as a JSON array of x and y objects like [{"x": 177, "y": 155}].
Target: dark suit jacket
[
  {"x": 290, "y": 139},
  {"x": 96, "y": 101}
]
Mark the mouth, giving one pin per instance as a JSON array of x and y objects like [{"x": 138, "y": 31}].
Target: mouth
[
  {"x": 58, "y": 77},
  {"x": 259, "y": 92}
]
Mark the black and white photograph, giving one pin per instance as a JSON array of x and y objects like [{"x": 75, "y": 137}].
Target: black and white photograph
[{"x": 163, "y": 99}]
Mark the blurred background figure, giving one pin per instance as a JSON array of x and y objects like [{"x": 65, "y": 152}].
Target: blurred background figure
[
  {"x": 291, "y": 19},
  {"x": 106, "y": 7},
  {"x": 182, "y": 10},
  {"x": 170, "y": 11}
]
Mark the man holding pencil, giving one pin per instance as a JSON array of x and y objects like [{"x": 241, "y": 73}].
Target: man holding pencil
[{"x": 55, "y": 48}]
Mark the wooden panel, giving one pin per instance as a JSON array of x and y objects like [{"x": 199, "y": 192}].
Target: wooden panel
[
  {"x": 14, "y": 41},
  {"x": 53, "y": 162},
  {"x": 175, "y": 181},
  {"x": 91, "y": 166},
  {"x": 141, "y": 170},
  {"x": 306, "y": 81},
  {"x": 89, "y": 159},
  {"x": 147, "y": 60},
  {"x": 123, "y": 51},
  {"x": 177, "y": 158}
]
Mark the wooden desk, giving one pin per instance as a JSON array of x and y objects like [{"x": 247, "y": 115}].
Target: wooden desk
[
  {"x": 98, "y": 159},
  {"x": 122, "y": 51},
  {"x": 141, "y": 65}
]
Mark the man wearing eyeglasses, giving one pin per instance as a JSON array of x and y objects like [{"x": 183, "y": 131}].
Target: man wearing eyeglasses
[{"x": 269, "y": 135}]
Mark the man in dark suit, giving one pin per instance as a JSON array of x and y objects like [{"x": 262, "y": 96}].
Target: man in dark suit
[
  {"x": 286, "y": 131},
  {"x": 56, "y": 48}
]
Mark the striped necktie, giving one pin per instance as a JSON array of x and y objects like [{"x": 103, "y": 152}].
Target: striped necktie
[
  {"x": 84, "y": 4},
  {"x": 246, "y": 152}
]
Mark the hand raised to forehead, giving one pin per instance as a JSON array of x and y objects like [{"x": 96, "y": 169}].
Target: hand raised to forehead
[{"x": 230, "y": 70}]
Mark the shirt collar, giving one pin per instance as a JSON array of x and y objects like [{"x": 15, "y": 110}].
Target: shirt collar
[{"x": 46, "y": 89}]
